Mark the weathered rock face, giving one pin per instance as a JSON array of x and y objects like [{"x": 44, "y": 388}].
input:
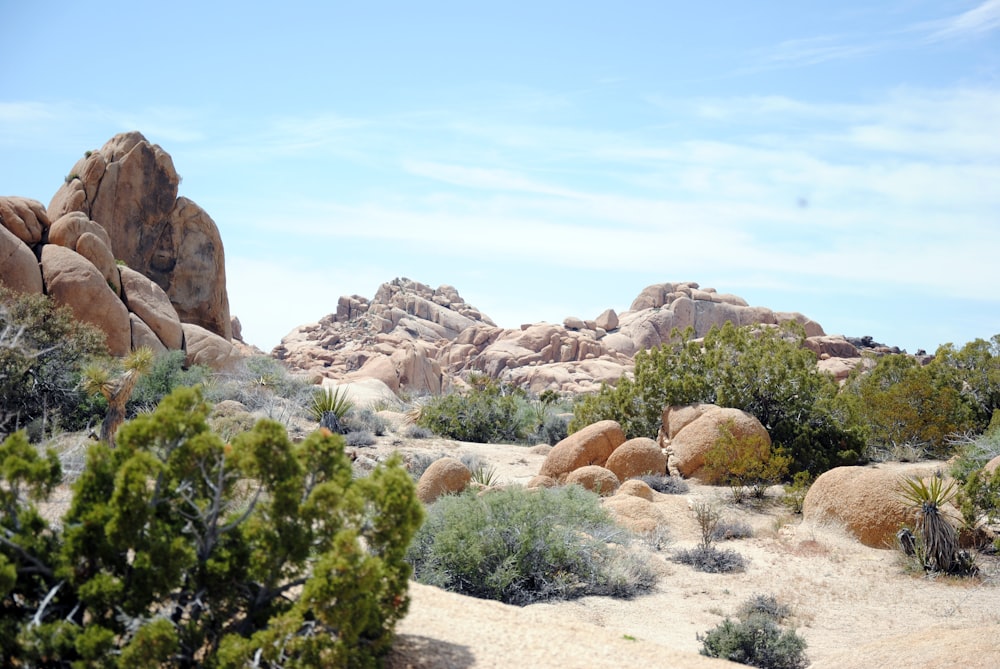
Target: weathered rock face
[
  {"x": 637, "y": 457},
  {"x": 413, "y": 337},
  {"x": 444, "y": 476},
  {"x": 72, "y": 280},
  {"x": 148, "y": 301},
  {"x": 129, "y": 187},
  {"x": 18, "y": 266},
  {"x": 594, "y": 478}
]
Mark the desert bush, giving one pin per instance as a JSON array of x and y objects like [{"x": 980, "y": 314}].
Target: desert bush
[
  {"x": 362, "y": 438},
  {"x": 167, "y": 372},
  {"x": 665, "y": 483},
  {"x": 364, "y": 420},
  {"x": 488, "y": 413},
  {"x": 180, "y": 550},
  {"x": 727, "y": 530},
  {"x": 973, "y": 452},
  {"x": 711, "y": 560},
  {"x": 260, "y": 383},
  {"x": 755, "y": 638},
  {"x": 417, "y": 463},
  {"x": 519, "y": 546},
  {"x": 795, "y": 492},
  {"x": 763, "y": 371},
  {"x": 937, "y": 540},
  {"x": 744, "y": 462},
  {"x": 417, "y": 432},
  {"x": 43, "y": 351},
  {"x": 331, "y": 405},
  {"x": 974, "y": 371},
  {"x": 978, "y": 498}
]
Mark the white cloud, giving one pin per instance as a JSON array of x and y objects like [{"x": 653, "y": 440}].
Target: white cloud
[{"x": 981, "y": 19}]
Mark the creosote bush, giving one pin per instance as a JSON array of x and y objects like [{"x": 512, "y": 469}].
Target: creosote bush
[
  {"x": 180, "y": 550},
  {"x": 519, "y": 546},
  {"x": 488, "y": 413}
]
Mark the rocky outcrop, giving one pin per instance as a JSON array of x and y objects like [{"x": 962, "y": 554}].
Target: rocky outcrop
[
  {"x": 637, "y": 457},
  {"x": 414, "y": 337},
  {"x": 124, "y": 253},
  {"x": 129, "y": 187},
  {"x": 592, "y": 445},
  {"x": 865, "y": 500},
  {"x": 689, "y": 432},
  {"x": 594, "y": 478}
]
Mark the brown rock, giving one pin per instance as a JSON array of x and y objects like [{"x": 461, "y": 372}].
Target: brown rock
[
  {"x": 691, "y": 443},
  {"x": 444, "y": 476},
  {"x": 541, "y": 482},
  {"x": 143, "y": 336},
  {"x": 636, "y": 488},
  {"x": 18, "y": 265},
  {"x": 72, "y": 280},
  {"x": 25, "y": 219},
  {"x": 590, "y": 446},
  {"x": 636, "y": 513},
  {"x": 151, "y": 304},
  {"x": 636, "y": 457},
  {"x": 992, "y": 465},
  {"x": 865, "y": 500},
  {"x": 68, "y": 228},
  {"x": 207, "y": 348},
  {"x": 97, "y": 252},
  {"x": 834, "y": 346},
  {"x": 608, "y": 320},
  {"x": 594, "y": 478},
  {"x": 676, "y": 418}
]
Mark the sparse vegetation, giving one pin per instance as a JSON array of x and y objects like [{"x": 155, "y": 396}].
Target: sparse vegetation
[
  {"x": 706, "y": 557},
  {"x": 665, "y": 483},
  {"x": 937, "y": 541},
  {"x": 329, "y": 406},
  {"x": 744, "y": 462},
  {"x": 756, "y": 638},
  {"x": 519, "y": 546}
]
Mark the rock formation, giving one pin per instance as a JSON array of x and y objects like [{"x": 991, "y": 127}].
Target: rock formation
[
  {"x": 119, "y": 248},
  {"x": 421, "y": 339}
]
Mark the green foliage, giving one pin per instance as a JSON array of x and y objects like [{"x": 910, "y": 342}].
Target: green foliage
[
  {"x": 330, "y": 400},
  {"x": 900, "y": 401},
  {"x": 182, "y": 550},
  {"x": 973, "y": 370},
  {"x": 938, "y": 539},
  {"x": 979, "y": 498},
  {"x": 743, "y": 462},
  {"x": 763, "y": 371},
  {"x": 973, "y": 454},
  {"x": 519, "y": 546},
  {"x": 42, "y": 352},
  {"x": 755, "y": 639},
  {"x": 488, "y": 413},
  {"x": 795, "y": 493},
  {"x": 167, "y": 372}
]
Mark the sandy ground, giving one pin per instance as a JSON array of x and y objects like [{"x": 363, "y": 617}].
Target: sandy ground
[{"x": 855, "y": 606}]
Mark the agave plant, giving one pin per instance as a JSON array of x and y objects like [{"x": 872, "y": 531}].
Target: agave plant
[{"x": 938, "y": 537}]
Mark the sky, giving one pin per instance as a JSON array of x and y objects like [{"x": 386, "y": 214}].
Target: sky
[{"x": 549, "y": 159}]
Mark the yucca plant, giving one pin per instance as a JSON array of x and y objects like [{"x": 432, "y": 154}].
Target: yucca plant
[
  {"x": 938, "y": 537},
  {"x": 330, "y": 403}
]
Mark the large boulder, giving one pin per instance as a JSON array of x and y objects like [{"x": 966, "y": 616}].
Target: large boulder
[
  {"x": 129, "y": 187},
  {"x": 209, "y": 349},
  {"x": 592, "y": 445},
  {"x": 594, "y": 478},
  {"x": 637, "y": 457},
  {"x": 148, "y": 301},
  {"x": 26, "y": 219},
  {"x": 444, "y": 476},
  {"x": 865, "y": 500},
  {"x": 18, "y": 265},
  {"x": 72, "y": 280},
  {"x": 690, "y": 444}
]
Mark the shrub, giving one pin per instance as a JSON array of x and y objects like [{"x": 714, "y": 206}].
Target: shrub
[
  {"x": 327, "y": 402},
  {"x": 488, "y": 413},
  {"x": 937, "y": 539},
  {"x": 742, "y": 462},
  {"x": 417, "y": 432},
  {"x": 363, "y": 438},
  {"x": 795, "y": 493},
  {"x": 364, "y": 420},
  {"x": 669, "y": 485},
  {"x": 417, "y": 463},
  {"x": 43, "y": 350},
  {"x": 974, "y": 452},
  {"x": 181, "y": 550},
  {"x": 727, "y": 530},
  {"x": 711, "y": 560},
  {"x": 520, "y": 546},
  {"x": 757, "y": 641},
  {"x": 766, "y": 605},
  {"x": 763, "y": 371},
  {"x": 167, "y": 372}
]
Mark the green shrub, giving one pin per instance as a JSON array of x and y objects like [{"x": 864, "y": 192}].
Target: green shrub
[
  {"x": 744, "y": 462},
  {"x": 757, "y": 641},
  {"x": 488, "y": 413},
  {"x": 180, "y": 550},
  {"x": 167, "y": 373},
  {"x": 519, "y": 546},
  {"x": 43, "y": 350},
  {"x": 763, "y": 371},
  {"x": 795, "y": 493}
]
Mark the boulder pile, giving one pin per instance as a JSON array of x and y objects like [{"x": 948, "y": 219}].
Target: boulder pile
[
  {"x": 125, "y": 253},
  {"x": 421, "y": 339}
]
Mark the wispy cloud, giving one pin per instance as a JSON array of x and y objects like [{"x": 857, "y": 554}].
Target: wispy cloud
[{"x": 981, "y": 19}]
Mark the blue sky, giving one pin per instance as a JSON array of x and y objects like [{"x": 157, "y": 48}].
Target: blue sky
[{"x": 549, "y": 159}]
